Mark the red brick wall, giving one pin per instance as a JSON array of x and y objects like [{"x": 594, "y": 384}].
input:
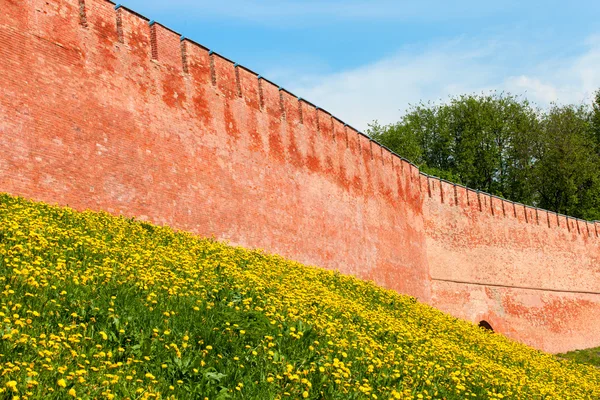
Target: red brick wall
[
  {"x": 109, "y": 113},
  {"x": 531, "y": 274},
  {"x": 101, "y": 110}
]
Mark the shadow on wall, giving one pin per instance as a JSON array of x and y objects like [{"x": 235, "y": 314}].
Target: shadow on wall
[{"x": 486, "y": 325}]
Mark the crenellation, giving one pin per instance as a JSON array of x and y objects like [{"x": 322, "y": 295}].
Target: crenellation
[
  {"x": 198, "y": 62},
  {"x": 376, "y": 171},
  {"x": 447, "y": 193},
  {"x": 414, "y": 174},
  {"x": 135, "y": 35},
  {"x": 462, "y": 199},
  {"x": 425, "y": 185},
  {"x": 388, "y": 176},
  {"x": 119, "y": 22},
  {"x": 503, "y": 205},
  {"x": 281, "y": 105},
  {"x": 101, "y": 18},
  {"x": 390, "y": 156},
  {"x": 436, "y": 188},
  {"x": 104, "y": 50},
  {"x": 224, "y": 76},
  {"x": 401, "y": 177},
  {"x": 573, "y": 225},
  {"x": 82, "y": 14},
  {"x": 550, "y": 219},
  {"x": 562, "y": 222},
  {"x": 519, "y": 212},
  {"x": 324, "y": 123},
  {"x": 153, "y": 42},
  {"x": 486, "y": 203},
  {"x": 213, "y": 72},
  {"x": 248, "y": 87},
  {"x": 589, "y": 228},
  {"x": 339, "y": 132},
  {"x": 291, "y": 107},
  {"x": 185, "y": 65},
  {"x": 331, "y": 152},
  {"x": 497, "y": 206},
  {"x": 473, "y": 200},
  {"x": 570, "y": 224},
  {"x": 443, "y": 196},
  {"x": 384, "y": 154},
  {"x": 109, "y": 3},
  {"x": 271, "y": 100},
  {"x": 353, "y": 143},
  {"x": 298, "y": 145},
  {"x": 529, "y": 217},
  {"x": 366, "y": 152},
  {"x": 308, "y": 112},
  {"x": 166, "y": 46}
]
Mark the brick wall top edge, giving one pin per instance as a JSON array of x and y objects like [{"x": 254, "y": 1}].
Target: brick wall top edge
[
  {"x": 129, "y": 10},
  {"x": 345, "y": 124},
  {"x": 408, "y": 161},
  {"x": 190, "y": 41},
  {"x": 260, "y": 77},
  {"x": 324, "y": 111},
  {"x": 288, "y": 92},
  {"x": 166, "y": 27},
  {"x": 308, "y": 102},
  {"x": 212, "y": 52},
  {"x": 502, "y": 198},
  {"x": 227, "y": 60},
  {"x": 386, "y": 148},
  {"x": 337, "y": 119},
  {"x": 351, "y": 128}
]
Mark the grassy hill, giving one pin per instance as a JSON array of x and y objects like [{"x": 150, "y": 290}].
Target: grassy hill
[
  {"x": 95, "y": 306},
  {"x": 586, "y": 356}
]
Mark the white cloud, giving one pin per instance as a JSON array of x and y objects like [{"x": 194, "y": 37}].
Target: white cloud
[{"x": 384, "y": 89}]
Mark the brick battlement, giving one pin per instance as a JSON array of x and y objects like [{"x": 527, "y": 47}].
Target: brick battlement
[{"x": 103, "y": 108}]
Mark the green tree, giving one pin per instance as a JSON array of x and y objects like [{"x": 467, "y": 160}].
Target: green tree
[
  {"x": 501, "y": 144},
  {"x": 596, "y": 120},
  {"x": 483, "y": 141},
  {"x": 567, "y": 171}
]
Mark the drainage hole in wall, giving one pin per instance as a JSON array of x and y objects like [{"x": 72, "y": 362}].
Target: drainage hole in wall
[{"x": 486, "y": 325}]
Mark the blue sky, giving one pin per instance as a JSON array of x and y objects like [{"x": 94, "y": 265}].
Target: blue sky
[{"x": 365, "y": 60}]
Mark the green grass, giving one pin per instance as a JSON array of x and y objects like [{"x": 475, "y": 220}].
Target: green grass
[
  {"x": 587, "y": 356},
  {"x": 98, "y": 307}
]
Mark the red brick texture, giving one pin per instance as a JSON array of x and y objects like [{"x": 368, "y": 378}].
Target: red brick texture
[
  {"x": 527, "y": 272},
  {"x": 101, "y": 109}
]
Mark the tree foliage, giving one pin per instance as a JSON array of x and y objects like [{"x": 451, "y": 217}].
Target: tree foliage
[{"x": 504, "y": 145}]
